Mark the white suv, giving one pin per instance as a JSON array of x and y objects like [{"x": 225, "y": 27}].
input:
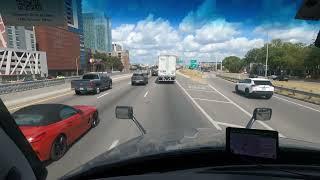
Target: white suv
[{"x": 255, "y": 86}]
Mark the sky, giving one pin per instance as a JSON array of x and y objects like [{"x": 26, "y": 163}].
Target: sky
[{"x": 204, "y": 30}]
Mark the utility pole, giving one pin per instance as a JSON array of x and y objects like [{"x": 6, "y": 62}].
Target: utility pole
[
  {"x": 266, "y": 71},
  {"x": 216, "y": 63}
]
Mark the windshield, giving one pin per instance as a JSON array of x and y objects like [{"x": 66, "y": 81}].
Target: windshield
[
  {"x": 28, "y": 119},
  {"x": 90, "y": 76},
  {"x": 262, "y": 83},
  {"x": 176, "y": 63}
]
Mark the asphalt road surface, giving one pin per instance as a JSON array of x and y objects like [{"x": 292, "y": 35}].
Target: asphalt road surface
[{"x": 177, "y": 107}]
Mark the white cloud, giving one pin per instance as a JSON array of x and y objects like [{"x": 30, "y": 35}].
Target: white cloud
[
  {"x": 205, "y": 13},
  {"x": 215, "y": 31},
  {"x": 303, "y": 33},
  {"x": 218, "y": 38}
]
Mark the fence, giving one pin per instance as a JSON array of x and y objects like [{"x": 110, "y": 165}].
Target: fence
[
  {"x": 294, "y": 91},
  {"x": 24, "y": 86}
]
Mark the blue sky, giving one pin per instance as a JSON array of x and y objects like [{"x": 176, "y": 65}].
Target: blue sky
[{"x": 201, "y": 29}]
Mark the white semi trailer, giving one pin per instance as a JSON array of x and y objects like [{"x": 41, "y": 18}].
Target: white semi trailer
[{"x": 167, "y": 68}]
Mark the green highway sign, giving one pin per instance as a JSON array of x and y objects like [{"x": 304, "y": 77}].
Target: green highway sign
[{"x": 193, "y": 64}]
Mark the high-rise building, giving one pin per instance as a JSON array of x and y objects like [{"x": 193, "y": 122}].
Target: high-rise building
[
  {"x": 97, "y": 32},
  {"x": 116, "y": 47},
  {"x": 75, "y": 24},
  {"x": 20, "y": 37},
  {"x": 17, "y": 37},
  {"x": 123, "y": 55},
  {"x": 64, "y": 45}
]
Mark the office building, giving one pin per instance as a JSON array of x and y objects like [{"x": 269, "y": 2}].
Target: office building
[
  {"x": 116, "y": 47},
  {"x": 64, "y": 45},
  {"x": 17, "y": 37},
  {"x": 122, "y": 54},
  {"x": 75, "y": 24},
  {"x": 97, "y": 32},
  {"x": 18, "y": 54}
]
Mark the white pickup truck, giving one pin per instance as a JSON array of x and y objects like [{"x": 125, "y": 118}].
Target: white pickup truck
[{"x": 255, "y": 87}]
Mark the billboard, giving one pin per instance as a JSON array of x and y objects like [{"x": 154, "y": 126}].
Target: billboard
[{"x": 33, "y": 12}]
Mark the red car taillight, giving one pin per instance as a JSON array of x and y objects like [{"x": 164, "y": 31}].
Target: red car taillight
[{"x": 36, "y": 138}]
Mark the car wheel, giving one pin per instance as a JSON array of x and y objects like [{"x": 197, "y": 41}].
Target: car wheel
[
  {"x": 97, "y": 90},
  {"x": 77, "y": 92},
  {"x": 95, "y": 120},
  {"x": 268, "y": 96},
  {"x": 110, "y": 85},
  {"x": 237, "y": 89},
  {"x": 132, "y": 84},
  {"x": 247, "y": 92},
  {"x": 59, "y": 148}
]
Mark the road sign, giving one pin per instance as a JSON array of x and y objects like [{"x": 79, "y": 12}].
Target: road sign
[{"x": 193, "y": 64}]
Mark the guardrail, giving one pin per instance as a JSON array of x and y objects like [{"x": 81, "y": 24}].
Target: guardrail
[
  {"x": 294, "y": 91},
  {"x": 23, "y": 86}
]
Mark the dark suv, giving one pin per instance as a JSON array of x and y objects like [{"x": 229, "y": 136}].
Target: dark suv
[{"x": 139, "y": 78}]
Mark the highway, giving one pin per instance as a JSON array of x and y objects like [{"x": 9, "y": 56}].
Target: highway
[{"x": 177, "y": 107}]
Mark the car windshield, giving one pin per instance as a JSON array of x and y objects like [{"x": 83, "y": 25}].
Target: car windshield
[
  {"x": 257, "y": 82},
  {"x": 137, "y": 74},
  {"x": 28, "y": 119},
  {"x": 181, "y": 65},
  {"x": 90, "y": 76}
]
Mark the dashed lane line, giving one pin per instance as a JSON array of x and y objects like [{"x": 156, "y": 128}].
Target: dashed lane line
[
  {"x": 243, "y": 110},
  {"x": 102, "y": 95},
  {"x": 113, "y": 145},
  {"x": 211, "y": 100},
  {"x": 213, "y": 122},
  {"x": 145, "y": 95}
]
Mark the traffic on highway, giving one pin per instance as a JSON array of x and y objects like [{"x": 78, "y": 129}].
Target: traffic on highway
[{"x": 209, "y": 90}]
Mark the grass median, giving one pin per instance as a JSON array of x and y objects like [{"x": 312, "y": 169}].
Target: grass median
[
  {"x": 193, "y": 74},
  {"x": 311, "y": 87}
]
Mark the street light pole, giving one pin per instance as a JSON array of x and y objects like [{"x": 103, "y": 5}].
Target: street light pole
[
  {"x": 77, "y": 66},
  {"x": 266, "y": 71}
]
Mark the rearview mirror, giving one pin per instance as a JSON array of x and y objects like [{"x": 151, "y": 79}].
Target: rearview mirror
[
  {"x": 124, "y": 112},
  {"x": 262, "y": 114}
]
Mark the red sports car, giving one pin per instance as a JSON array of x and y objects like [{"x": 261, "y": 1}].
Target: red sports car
[{"x": 51, "y": 128}]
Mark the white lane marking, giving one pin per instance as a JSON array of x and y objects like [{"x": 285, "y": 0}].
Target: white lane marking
[
  {"x": 211, "y": 100},
  {"x": 114, "y": 144},
  {"x": 243, "y": 110},
  {"x": 42, "y": 100},
  {"x": 200, "y": 108},
  {"x": 102, "y": 95},
  {"x": 200, "y": 90},
  {"x": 230, "y": 125},
  {"x": 145, "y": 95},
  {"x": 297, "y": 103}
]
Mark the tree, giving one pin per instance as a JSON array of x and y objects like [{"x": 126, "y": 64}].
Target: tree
[
  {"x": 312, "y": 61},
  {"x": 110, "y": 62},
  {"x": 295, "y": 59},
  {"x": 232, "y": 63}
]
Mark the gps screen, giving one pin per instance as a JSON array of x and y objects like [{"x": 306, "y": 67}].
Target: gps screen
[{"x": 252, "y": 142}]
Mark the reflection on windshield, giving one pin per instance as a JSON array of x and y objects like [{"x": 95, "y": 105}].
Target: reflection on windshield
[{"x": 28, "y": 119}]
